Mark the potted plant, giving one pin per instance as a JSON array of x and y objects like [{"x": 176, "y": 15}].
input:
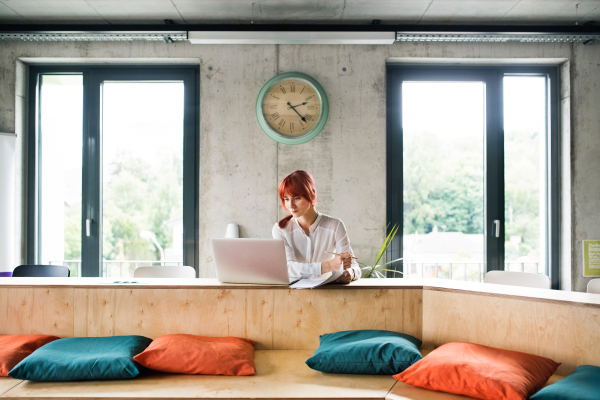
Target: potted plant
[{"x": 377, "y": 270}]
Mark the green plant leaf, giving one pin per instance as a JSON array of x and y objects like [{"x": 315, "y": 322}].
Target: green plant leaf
[{"x": 372, "y": 270}]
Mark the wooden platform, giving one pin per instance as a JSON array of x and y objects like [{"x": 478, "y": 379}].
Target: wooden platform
[{"x": 281, "y": 374}]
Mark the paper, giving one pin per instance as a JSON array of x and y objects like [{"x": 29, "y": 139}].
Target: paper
[
  {"x": 313, "y": 283},
  {"x": 591, "y": 258}
]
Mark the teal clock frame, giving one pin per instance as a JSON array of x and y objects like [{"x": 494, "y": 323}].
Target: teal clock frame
[{"x": 310, "y": 134}]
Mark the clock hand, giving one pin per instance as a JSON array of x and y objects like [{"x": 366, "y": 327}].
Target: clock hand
[
  {"x": 297, "y": 105},
  {"x": 289, "y": 104}
]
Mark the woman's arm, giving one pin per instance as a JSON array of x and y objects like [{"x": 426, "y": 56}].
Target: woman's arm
[
  {"x": 298, "y": 270},
  {"x": 342, "y": 245}
]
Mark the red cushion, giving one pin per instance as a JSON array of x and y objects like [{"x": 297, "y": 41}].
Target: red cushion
[
  {"x": 199, "y": 355},
  {"x": 14, "y": 348},
  {"x": 480, "y": 371}
]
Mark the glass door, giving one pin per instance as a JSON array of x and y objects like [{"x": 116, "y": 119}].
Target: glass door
[
  {"x": 443, "y": 153},
  {"x": 114, "y": 168},
  {"x": 473, "y": 170},
  {"x": 445, "y": 171},
  {"x": 59, "y": 166},
  {"x": 142, "y": 175}
]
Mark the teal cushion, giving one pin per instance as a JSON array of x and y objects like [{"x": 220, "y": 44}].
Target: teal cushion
[
  {"x": 75, "y": 359},
  {"x": 583, "y": 384},
  {"x": 365, "y": 352}
]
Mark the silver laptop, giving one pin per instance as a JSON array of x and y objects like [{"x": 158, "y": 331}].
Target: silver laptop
[{"x": 251, "y": 261}]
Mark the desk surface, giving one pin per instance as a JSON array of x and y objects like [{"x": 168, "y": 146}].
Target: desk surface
[{"x": 446, "y": 285}]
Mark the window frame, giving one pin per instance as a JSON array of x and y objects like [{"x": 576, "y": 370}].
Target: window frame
[
  {"x": 493, "y": 154},
  {"x": 93, "y": 75}
]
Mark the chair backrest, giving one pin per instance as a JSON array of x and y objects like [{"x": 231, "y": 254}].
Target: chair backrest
[
  {"x": 41, "y": 271},
  {"x": 594, "y": 286},
  {"x": 165, "y": 271},
  {"x": 517, "y": 279}
]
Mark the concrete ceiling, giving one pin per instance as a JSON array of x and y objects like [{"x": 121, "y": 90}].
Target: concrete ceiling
[{"x": 498, "y": 12}]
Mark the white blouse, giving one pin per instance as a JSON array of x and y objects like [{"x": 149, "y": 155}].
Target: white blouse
[{"x": 305, "y": 253}]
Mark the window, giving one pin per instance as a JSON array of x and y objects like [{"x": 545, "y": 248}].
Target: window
[
  {"x": 473, "y": 170},
  {"x": 113, "y": 168}
]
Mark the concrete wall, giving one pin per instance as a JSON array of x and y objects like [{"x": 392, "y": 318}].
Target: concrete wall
[{"x": 241, "y": 167}]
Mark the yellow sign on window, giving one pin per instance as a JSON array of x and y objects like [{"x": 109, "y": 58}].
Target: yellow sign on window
[{"x": 591, "y": 258}]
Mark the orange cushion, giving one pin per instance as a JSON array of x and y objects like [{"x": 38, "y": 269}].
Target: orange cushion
[
  {"x": 14, "y": 348},
  {"x": 199, "y": 355},
  {"x": 480, "y": 371}
]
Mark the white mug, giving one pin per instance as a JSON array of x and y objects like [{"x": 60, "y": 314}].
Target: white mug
[{"x": 233, "y": 231}]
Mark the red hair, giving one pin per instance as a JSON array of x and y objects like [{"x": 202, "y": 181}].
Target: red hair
[{"x": 297, "y": 184}]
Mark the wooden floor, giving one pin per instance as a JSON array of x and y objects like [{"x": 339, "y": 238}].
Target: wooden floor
[{"x": 280, "y": 374}]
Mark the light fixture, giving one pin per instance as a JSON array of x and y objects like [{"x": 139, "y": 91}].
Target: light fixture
[
  {"x": 290, "y": 37},
  {"x": 90, "y": 36},
  {"x": 500, "y": 37}
]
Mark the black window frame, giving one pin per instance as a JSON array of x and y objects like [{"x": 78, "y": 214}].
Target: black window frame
[
  {"x": 493, "y": 153},
  {"x": 93, "y": 76}
]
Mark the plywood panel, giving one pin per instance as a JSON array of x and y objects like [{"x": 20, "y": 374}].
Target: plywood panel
[
  {"x": 3, "y": 310},
  {"x": 18, "y": 311},
  {"x": 152, "y": 313},
  {"x": 97, "y": 311},
  {"x": 80, "y": 305},
  {"x": 52, "y": 312},
  {"x": 564, "y": 333},
  {"x": 302, "y": 315},
  {"x": 47, "y": 311},
  {"x": 280, "y": 374},
  {"x": 259, "y": 319}
]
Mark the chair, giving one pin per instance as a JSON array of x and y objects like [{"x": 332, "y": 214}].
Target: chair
[
  {"x": 517, "y": 279},
  {"x": 165, "y": 271},
  {"x": 594, "y": 286},
  {"x": 41, "y": 271}
]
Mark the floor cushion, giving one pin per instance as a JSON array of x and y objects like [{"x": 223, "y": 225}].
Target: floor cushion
[
  {"x": 480, "y": 371},
  {"x": 582, "y": 384},
  {"x": 84, "y": 358},
  {"x": 14, "y": 348},
  {"x": 375, "y": 352},
  {"x": 199, "y": 355}
]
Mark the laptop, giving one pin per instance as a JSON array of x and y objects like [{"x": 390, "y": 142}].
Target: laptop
[{"x": 259, "y": 261}]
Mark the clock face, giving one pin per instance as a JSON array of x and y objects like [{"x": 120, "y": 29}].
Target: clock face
[{"x": 292, "y": 107}]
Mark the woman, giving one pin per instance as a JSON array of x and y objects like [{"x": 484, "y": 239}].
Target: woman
[{"x": 310, "y": 236}]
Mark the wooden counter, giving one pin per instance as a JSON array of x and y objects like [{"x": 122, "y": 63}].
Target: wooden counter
[{"x": 564, "y": 326}]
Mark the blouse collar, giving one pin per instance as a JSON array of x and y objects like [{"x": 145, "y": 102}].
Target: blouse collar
[{"x": 314, "y": 225}]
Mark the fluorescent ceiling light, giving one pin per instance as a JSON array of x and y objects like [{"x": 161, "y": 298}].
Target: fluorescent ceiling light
[
  {"x": 87, "y": 36},
  {"x": 498, "y": 37},
  {"x": 279, "y": 37}
]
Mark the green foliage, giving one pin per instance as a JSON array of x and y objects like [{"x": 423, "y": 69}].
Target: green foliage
[
  {"x": 443, "y": 184},
  {"x": 443, "y": 187},
  {"x": 376, "y": 270},
  {"x": 137, "y": 196}
]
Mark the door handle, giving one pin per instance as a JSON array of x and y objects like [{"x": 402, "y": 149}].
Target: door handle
[
  {"x": 88, "y": 226},
  {"x": 496, "y": 227}
]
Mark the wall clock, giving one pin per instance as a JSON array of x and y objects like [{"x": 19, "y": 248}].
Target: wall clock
[{"x": 292, "y": 108}]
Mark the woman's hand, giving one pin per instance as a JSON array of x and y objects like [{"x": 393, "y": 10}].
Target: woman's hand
[
  {"x": 347, "y": 262},
  {"x": 345, "y": 278},
  {"x": 332, "y": 265}
]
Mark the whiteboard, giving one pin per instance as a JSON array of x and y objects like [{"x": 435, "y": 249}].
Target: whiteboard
[{"x": 7, "y": 201}]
